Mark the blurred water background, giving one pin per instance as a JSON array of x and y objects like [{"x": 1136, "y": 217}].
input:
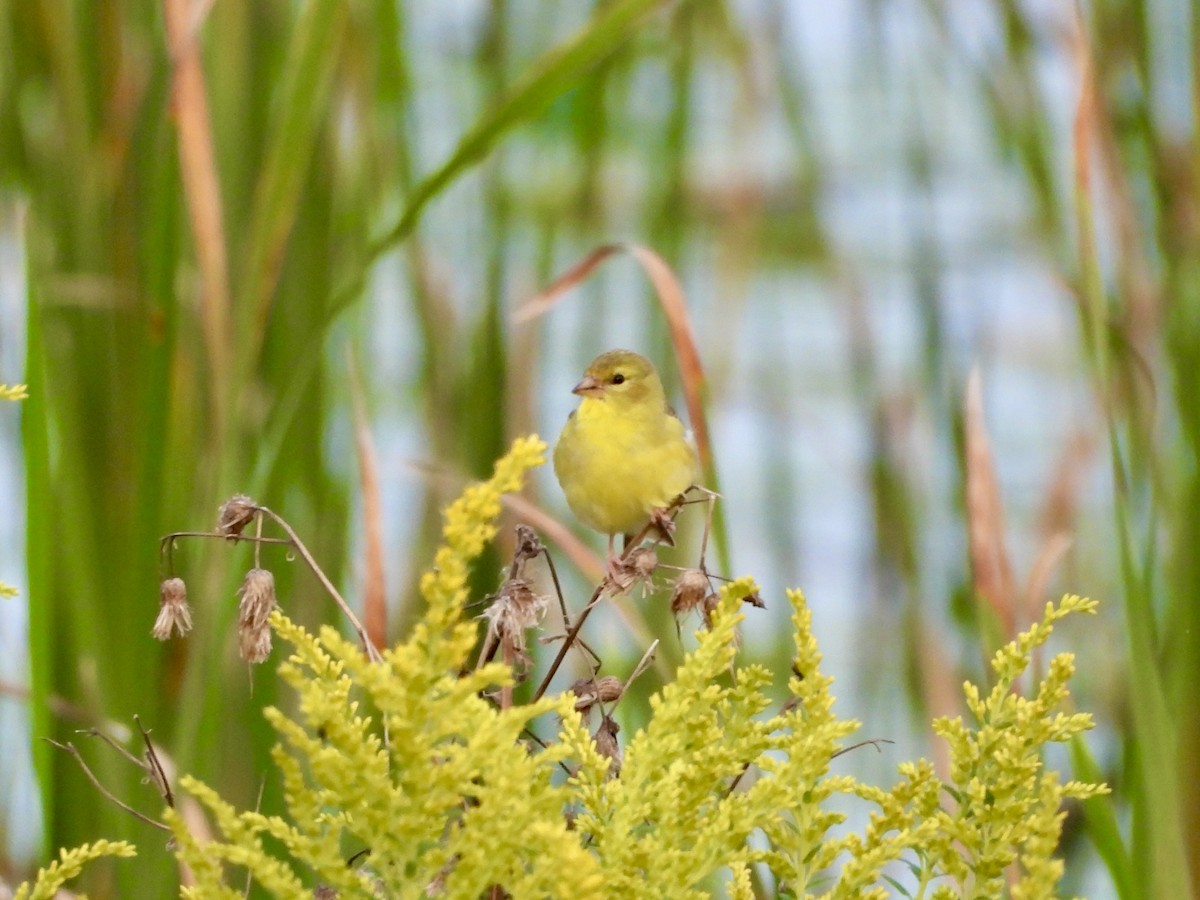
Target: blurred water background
[{"x": 863, "y": 201}]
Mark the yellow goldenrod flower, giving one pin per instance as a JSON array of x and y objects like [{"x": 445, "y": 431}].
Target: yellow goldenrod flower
[{"x": 68, "y": 865}]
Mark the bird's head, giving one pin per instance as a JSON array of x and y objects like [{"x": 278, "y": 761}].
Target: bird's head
[{"x": 621, "y": 377}]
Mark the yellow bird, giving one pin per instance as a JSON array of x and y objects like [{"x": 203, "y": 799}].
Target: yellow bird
[{"x": 623, "y": 455}]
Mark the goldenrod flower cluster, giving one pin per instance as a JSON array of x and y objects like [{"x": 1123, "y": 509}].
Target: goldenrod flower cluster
[
  {"x": 69, "y": 864},
  {"x": 408, "y": 759},
  {"x": 403, "y": 779}
]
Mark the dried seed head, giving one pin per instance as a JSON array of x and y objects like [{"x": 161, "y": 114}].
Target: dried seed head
[
  {"x": 644, "y": 561},
  {"x": 589, "y": 692},
  {"x": 325, "y": 892},
  {"x": 607, "y": 746},
  {"x": 235, "y": 514},
  {"x": 528, "y": 545},
  {"x": 690, "y": 590},
  {"x": 254, "y": 611},
  {"x": 515, "y": 610},
  {"x": 173, "y": 611},
  {"x": 609, "y": 688},
  {"x": 755, "y": 599},
  {"x": 708, "y": 607},
  {"x": 639, "y": 565}
]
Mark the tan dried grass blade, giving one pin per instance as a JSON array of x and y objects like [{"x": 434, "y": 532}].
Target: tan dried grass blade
[
  {"x": 198, "y": 169},
  {"x": 985, "y": 515},
  {"x": 374, "y": 582},
  {"x": 674, "y": 306},
  {"x": 940, "y": 685}
]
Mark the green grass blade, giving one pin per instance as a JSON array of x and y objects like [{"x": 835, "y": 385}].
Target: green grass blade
[
  {"x": 301, "y": 112},
  {"x": 1100, "y": 815},
  {"x": 555, "y": 72}
]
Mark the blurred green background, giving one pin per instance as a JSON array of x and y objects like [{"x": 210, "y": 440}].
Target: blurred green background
[{"x": 208, "y": 206}]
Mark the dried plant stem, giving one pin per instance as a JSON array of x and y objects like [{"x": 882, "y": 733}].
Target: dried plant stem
[
  {"x": 370, "y": 649},
  {"x": 197, "y": 162},
  {"x": 573, "y": 632},
  {"x": 643, "y": 664},
  {"x": 74, "y": 751},
  {"x": 510, "y": 659},
  {"x": 154, "y": 765},
  {"x": 568, "y": 641}
]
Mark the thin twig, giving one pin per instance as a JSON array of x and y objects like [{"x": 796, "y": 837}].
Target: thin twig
[
  {"x": 510, "y": 658},
  {"x": 156, "y": 766},
  {"x": 166, "y": 546},
  {"x": 258, "y": 524},
  {"x": 97, "y": 733},
  {"x": 596, "y": 661},
  {"x": 573, "y": 632},
  {"x": 872, "y": 742},
  {"x": 372, "y": 652},
  {"x": 557, "y": 587},
  {"x": 642, "y": 666},
  {"x": 74, "y": 751},
  {"x": 262, "y": 785}
]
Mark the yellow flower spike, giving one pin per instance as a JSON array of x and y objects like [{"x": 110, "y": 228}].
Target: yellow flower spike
[{"x": 69, "y": 864}]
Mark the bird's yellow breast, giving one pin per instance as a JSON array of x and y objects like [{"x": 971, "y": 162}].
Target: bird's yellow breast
[{"x": 617, "y": 464}]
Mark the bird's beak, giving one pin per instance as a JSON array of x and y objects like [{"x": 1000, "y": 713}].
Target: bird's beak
[{"x": 588, "y": 387}]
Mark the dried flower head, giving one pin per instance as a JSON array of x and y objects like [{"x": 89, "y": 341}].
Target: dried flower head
[
  {"x": 637, "y": 566},
  {"x": 588, "y": 692},
  {"x": 516, "y": 609},
  {"x": 607, "y": 745},
  {"x": 174, "y": 614},
  {"x": 754, "y": 598},
  {"x": 662, "y": 525},
  {"x": 254, "y": 611},
  {"x": 528, "y": 544},
  {"x": 691, "y": 588},
  {"x": 235, "y": 514}
]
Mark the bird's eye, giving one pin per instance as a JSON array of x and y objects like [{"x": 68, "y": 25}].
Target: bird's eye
[{"x": 618, "y": 379}]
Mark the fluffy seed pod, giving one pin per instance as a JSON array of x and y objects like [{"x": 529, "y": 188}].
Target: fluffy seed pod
[
  {"x": 174, "y": 614},
  {"x": 690, "y": 590},
  {"x": 235, "y": 514},
  {"x": 515, "y": 610},
  {"x": 254, "y": 611},
  {"x": 644, "y": 561},
  {"x": 639, "y": 565}
]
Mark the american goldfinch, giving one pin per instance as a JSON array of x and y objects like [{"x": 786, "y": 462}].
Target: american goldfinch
[{"x": 623, "y": 455}]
